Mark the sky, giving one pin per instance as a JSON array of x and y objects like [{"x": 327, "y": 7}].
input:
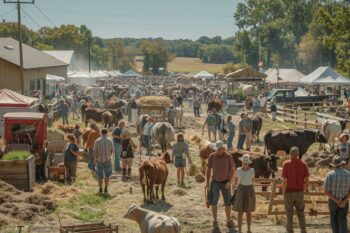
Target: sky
[{"x": 170, "y": 19}]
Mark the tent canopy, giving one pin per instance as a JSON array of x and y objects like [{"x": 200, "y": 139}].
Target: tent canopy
[
  {"x": 204, "y": 74},
  {"x": 54, "y": 79},
  {"x": 325, "y": 75},
  {"x": 10, "y": 98},
  {"x": 81, "y": 78},
  {"x": 130, "y": 73},
  {"x": 246, "y": 74},
  {"x": 285, "y": 75}
]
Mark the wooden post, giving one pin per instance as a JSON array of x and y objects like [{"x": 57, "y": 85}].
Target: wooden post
[{"x": 272, "y": 197}]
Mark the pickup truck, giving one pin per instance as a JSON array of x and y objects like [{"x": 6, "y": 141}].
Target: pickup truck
[{"x": 288, "y": 96}]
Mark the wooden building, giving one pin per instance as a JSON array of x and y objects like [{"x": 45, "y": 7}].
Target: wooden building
[{"x": 36, "y": 64}]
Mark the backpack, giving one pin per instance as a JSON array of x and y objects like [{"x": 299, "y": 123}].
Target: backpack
[{"x": 211, "y": 120}]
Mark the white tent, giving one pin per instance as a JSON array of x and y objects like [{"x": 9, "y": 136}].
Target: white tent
[
  {"x": 130, "y": 73},
  {"x": 204, "y": 74},
  {"x": 301, "y": 92},
  {"x": 325, "y": 75},
  {"x": 54, "y": 83},
  {"x": 285, "y": 75},
  {"x": 81, "y": 78}
]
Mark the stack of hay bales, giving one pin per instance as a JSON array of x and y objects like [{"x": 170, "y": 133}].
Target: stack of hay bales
[{"x": 155, "y": 101}]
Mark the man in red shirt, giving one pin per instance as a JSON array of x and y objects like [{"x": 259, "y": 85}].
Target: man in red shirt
[{"x": 295, "y": 182}]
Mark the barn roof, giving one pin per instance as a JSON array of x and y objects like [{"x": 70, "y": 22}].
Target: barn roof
[{"x": 32, "y": 58}]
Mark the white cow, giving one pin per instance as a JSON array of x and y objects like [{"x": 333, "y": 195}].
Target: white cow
[
  {"x": 163, "y": 133},
  {"x": 179, "y": 113},
  {"x": 153, "y": 222},
  {"x": 331, "y": 129}
]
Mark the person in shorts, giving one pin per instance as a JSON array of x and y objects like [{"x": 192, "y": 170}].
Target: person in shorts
[
  {"x": 180, "y": 153},
  {"x": 220, "y": 175},
  {"x": 103, "y": 151},
  {"x": 127, "y": 152},
  {"x": 211, "y": 122}
]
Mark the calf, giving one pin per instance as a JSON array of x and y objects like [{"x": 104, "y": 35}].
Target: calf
[
  {"x": 205, "y": 149},
  {"x": 152, "y": 222},
  {"x": 154, "y": 173}
]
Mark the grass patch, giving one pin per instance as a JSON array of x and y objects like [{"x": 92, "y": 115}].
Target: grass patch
[
  {"x": 16, "y": 155},
  {"x": 87, "y": 207}
]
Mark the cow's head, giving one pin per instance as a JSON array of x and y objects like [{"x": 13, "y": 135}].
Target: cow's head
[
  {"x": 166, "y": 157},
  {"x": 132, "y": 213},
  {"x": 320, "y": 137},
  {"x": 272, "y": 162}
]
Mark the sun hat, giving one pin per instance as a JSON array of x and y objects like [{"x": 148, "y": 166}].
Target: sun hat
[
  {"x": 344, "y": 135},
  {"x": 245, "y": 159},
  {"x": 219, "y": 145},
  {"x": 337, "y": 161}
]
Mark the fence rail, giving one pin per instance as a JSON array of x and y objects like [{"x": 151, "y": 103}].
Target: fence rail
[{"x": 299, "y": 117}]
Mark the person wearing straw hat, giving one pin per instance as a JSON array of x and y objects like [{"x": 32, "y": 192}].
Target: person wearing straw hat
[
  {"x": 180, "y": 153},
  {"x": 337, "y": 188},
  {"x": 220, "y": 174},
  {"x": 128, "y": 146},
  {"x": 343, "y": 150},
  {"x": 244, "y": 198}
]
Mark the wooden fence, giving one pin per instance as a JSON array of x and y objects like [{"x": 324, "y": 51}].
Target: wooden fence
[
  {"x": 303, "y": 118},
  {"x": 315, "y": 196}
]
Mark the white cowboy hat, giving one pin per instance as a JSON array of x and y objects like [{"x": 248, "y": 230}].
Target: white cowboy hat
[
  {"x": 219, "y": 145},
  {"x": 245, "y": 159}
]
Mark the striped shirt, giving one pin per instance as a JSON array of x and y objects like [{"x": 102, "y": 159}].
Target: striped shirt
[
  {"x": 337, "y": 183},
  {"x": 103, "y": 149}
]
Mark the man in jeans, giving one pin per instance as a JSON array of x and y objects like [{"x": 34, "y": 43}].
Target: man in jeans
[
  {"x": 196, "y": 107},
  {"x": 117, "y": 145},
  {"x": 337, "y": 188},
  {"x": 221, "y": 172},
  {"x": 103, "y": 150},
  {"x": 64, "y": 112},
  {"x": 295, "y": 176},
  {"x": 146, "y": 131},
  {"x": 241, "y": 133}
]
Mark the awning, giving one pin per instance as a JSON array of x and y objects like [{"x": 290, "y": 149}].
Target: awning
[{"x": 10, "y": 98}]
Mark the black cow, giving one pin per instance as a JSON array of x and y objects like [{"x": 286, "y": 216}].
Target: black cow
[
  {"x": 264, "y": 166},
  {"x": 256, "y": 126},
  {"x": 284, "y": 140}
]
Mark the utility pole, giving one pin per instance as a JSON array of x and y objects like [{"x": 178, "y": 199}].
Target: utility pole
[
  {"x": 18, "y": 3},
  {"x": 89, "y": 45}
]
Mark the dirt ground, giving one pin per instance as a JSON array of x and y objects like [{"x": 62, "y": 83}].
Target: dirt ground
[{"x": 78, "y": 203}]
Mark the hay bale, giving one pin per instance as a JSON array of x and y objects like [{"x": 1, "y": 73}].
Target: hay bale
[
  {"x": 193, "y": 170},
  {"x": 200, "y": 178},
  {"x": 179, "y": 192},
  {"x": 155, "y": 100}
]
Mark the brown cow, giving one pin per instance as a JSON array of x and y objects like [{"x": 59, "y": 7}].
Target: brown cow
[
  {"x": 85, "y": 135},
  {"x": 154, "y": 173},
  {"x": 94, "y": 114},
  {"x": 107, "y": 118},
  {"x": 205, "y": 149}
]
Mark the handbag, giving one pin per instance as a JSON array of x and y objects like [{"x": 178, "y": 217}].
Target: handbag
[{"x": 232, "y": 201}]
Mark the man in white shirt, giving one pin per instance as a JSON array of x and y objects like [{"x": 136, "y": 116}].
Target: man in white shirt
[{"x": 146, "y": 131}]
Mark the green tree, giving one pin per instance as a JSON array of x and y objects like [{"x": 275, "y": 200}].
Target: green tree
[
  {"x": 156, "y": 56},
  {"x": 120, "y": 59}
]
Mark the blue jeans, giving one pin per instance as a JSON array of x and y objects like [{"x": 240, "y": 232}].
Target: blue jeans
[
  {"x": 231, "y": 135},
  {"x": 338, "y": 215},
  {"x": 241, "y": 139},
  {"x": 148, "y": 144},
  {"x": 196, "y": 112},
  {"x": 91, "y": 164},
  {"x": 117, "y": 153},
  {"x": 65, "y": 119}
]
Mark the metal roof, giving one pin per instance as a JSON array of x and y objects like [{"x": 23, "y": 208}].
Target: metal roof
[
  {"x": 32, "y": 58},
  {"x": 24, "y": 115},
  {"x": 65, "y": 56}
]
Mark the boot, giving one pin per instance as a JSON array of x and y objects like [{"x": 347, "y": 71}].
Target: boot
[
  {"x": 129, "y": 172},
  {"x": 124, "y": 172}
]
